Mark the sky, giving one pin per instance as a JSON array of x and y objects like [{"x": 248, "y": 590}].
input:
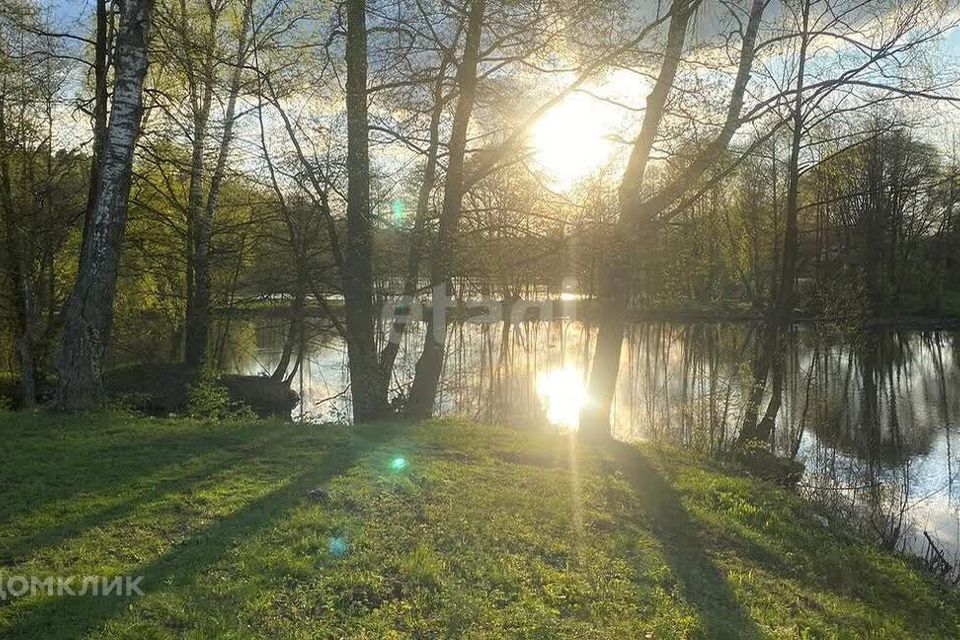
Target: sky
[
  {"x": 74, "y": 13},
  {"x": 76, "y": 16},
  {"x": 953, "y": 42},
  {"x": 71, "y": 10}
]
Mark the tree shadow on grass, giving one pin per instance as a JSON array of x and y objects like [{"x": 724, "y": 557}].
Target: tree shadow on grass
[
  {"x": 72, "y": 617},
  {"x": 40, "y": 474},
  {"x": 165, "y": 482},
  {"x": 828, "y": 561},
  {"x": 701, "y": 583}
]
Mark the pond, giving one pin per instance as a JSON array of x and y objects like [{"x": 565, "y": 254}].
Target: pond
[{"x": 874, "y": 418}]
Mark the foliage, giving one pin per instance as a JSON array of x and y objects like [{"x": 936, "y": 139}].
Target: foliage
[{"x": 208, "y": 399}]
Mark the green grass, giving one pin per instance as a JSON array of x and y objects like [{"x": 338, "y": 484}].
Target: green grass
[{"x": 484, "y": 533}]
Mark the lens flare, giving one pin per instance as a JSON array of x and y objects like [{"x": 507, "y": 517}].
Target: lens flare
[
  {"x": 399, "y": 210},
  {"x": 337, "y": 547}
]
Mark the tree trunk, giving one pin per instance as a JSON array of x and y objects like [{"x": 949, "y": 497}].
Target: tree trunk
[
  {"x": 368, "y": 390},
  {"x": 430, "y": 364},
  {"x": 388, "y": 354},
  {"x": 637, "y": 214},
  {"x": 18, "y": 270},
  {"x": 943, "y": 246},
  {"x": 791, "y": 239},
  {"x": 764, "y": 432},
  {"x": 595, "y": 416},
  {"x": 773, "y": 342},
  {"x": 195, "y": 345},
  {"x": 294, "y": 333},
  {"x": 89, "y": 311},
  {"x": 201, "y": 95},
  {"x": 100, "y": 69},
  {"x": 199, "y": 317}
]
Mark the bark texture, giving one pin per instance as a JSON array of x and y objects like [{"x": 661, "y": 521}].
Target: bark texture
[
  {"x": 88, "y": 315},
  {"x": 100, "y": 68}
]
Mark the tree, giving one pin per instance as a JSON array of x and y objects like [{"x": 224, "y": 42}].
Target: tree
[
  {"x": 89, "y": 311},
  {"x": 38, "y": 183},
  {"x": 889, "y": 53},
  {"x": 366, "y": 383},
  {"x": 424, "y": 390},
  {"x": 101, "y": 67},
  {"x": 202, "y": 53},
  {"x": 515, "y": 39},
  {"x": 772, "y": 348},
  {"x": 638, "y": 212}
]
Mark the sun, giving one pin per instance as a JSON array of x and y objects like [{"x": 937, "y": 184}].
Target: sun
[
  {"x": 571, "y": 140},
  {"x": 575, "y": 139}
]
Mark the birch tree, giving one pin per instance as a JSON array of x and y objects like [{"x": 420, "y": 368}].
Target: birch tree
[{"x": 88, "y": 315}]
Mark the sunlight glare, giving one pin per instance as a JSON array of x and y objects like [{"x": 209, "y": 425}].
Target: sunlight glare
[
  {"x": 570, "y": 140},
  {"x": 576, "y": 138},
  {"x": 563, "y": 395}
]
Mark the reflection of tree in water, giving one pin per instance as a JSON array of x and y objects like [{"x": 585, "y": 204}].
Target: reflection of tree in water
[
  {"x": 858, "y": 411},
  {"x": 492, "y": 370},
  {"x": 678, "y": 383},
  {"x": 881, "y": 403},
  {"x": 883, "y": 396},
  {"x": 861, "y": 395}
]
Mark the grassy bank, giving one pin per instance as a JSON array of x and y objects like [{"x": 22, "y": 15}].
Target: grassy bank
[{"x": 445, "y": 530}]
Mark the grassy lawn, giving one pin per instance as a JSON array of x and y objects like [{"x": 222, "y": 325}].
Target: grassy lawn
[{"x": 273, "y": 530}]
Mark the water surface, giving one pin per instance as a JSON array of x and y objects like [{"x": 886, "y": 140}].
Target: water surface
[{"x": 873, "y": 417}]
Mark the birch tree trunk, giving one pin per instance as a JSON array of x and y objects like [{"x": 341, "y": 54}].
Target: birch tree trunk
[
  {"x": 100, "y": 69},
  {"x": 88, "y": 315}
]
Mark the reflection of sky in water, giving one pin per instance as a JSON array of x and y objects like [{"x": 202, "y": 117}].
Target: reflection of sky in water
[
  {"x": 684, "y": 383},
  {"x": 933, "y": 501},
  {"x": 935, "y": 504}
]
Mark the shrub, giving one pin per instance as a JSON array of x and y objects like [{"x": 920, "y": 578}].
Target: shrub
[{"x": 208, "y": 398}]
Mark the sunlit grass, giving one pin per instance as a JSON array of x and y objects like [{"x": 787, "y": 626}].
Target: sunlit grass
[{"x": 270, "y": 530}]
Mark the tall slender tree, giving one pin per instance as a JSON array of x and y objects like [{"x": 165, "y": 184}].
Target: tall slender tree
[
  {"x": 638, "y": 212},
  {"x": 203, "y": 214},
  {"x": 430, "y": 363},
  {"x": 368, "y": 389},
  {"x": 772, "y": 347},
  {"x": 89, "y": 310}
]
